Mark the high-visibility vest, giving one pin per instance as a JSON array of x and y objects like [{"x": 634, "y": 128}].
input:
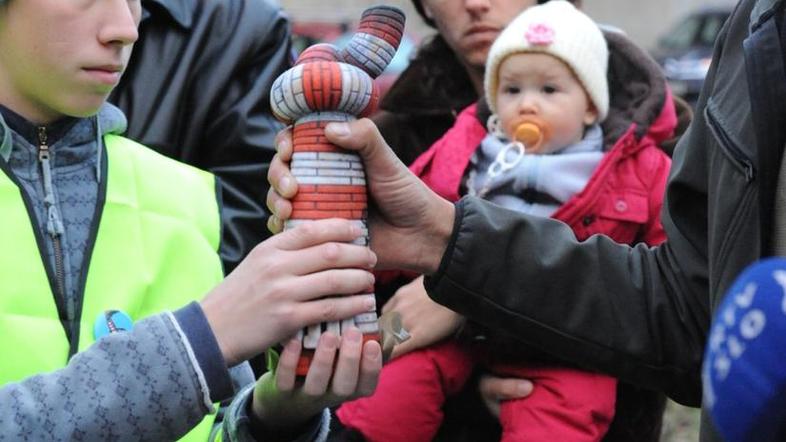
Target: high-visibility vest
[{"x": 156, "y": 249}]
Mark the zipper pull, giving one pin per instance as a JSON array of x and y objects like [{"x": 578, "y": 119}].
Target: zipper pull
[
  {"x": 43, "y": 147},
  {"x": 54, "y": 223}
]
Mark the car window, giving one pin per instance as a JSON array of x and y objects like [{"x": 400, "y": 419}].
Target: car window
[{"x": 682, "y": 35}]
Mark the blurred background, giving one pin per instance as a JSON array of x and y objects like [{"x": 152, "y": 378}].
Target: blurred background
[{"x": 679, "y": 34}]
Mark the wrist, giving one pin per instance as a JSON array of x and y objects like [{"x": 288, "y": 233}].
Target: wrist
[
  {"x": 205, "y": 350},
  {"x": 280, "y": 411},
  {"x": 438, "y": 236},
  {"x": 263, "y": 429},
  {"x": 215, "y": 315}
]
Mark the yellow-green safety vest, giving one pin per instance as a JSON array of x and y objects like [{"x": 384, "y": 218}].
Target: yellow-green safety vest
[{"x": 156, "y": 249}]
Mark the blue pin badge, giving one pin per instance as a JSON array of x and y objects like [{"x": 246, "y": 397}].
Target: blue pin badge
[{"x": 111, "y": 321}]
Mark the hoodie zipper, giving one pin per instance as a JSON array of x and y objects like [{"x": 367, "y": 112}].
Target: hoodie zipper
[{"x": 54, "y": 221}]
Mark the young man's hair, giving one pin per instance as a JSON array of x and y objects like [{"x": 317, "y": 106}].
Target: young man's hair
[{"x": 419, "y": 7}]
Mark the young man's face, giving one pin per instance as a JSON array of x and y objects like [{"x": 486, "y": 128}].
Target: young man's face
[
  {"x": 471, "y": 26},
  {"x": 541, "y": 88},
  {"x": 63, "y": 57}
]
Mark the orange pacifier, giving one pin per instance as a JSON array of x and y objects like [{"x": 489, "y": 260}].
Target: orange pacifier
[{"x": 530, "y": 132}]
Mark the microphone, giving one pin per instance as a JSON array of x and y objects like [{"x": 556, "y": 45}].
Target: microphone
[{"x": 744, "y": 370}]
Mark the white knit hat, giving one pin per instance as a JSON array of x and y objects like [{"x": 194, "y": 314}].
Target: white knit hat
[{"x": 556, "y": 28}]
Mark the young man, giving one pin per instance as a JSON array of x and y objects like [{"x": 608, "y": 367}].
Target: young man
[{"x": 102, "y": 237}]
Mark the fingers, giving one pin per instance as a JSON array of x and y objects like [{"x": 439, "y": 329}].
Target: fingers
[
  {"x": 287, "y": 366},
  {"x": 321, "y": 368},
  {"x": 335, "y": 308},
  {"x": 494, "y": 389},
  {"x": 280, "y": 210},
  {"x": 362, "y": 136},
  {"x": 356, "y": 370},
  {"x": 504, "y": 388},
  {"x": 328, "y": 283},
  {"x": 370, "y": 367},
  {"x": 284, "y": 143},
  {"x": 283, "y": 185},
  {"x": 280, "y": 178},
  {"x": 345, "y": 377},
  {"x": 327, "y": 256},
  {"x": 317, "y": 232},
  {"x": 274, "y": 224},
  {"x": 407, "y": 346}
]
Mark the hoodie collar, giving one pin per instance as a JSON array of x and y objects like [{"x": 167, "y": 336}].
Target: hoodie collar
[
  {"x": 111, "y": 121},
  {"x": 29, "y": 131},
  {"x": 11, "y": 122},
  {"x": 179, "y": 10},
  {"x": 762, "y": 11}
]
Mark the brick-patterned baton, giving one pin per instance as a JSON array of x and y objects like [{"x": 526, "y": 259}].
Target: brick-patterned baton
[{"x": 326, "y": 85}]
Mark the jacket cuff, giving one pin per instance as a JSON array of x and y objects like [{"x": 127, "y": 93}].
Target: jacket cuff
[
  {"x": 431, "y": 281},
  {"x": 197, "y": 331},
  {"x": 241, "y": 425}
]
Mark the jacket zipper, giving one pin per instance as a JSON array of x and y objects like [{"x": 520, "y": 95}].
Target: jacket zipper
[
  {"x": 728, "y": 147},
  {"x": 54, "y": 223}
]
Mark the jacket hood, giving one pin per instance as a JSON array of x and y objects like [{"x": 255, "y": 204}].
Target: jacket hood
[
  {"x": 640, "y": 96},
  {"x": 639, "y": 100}
]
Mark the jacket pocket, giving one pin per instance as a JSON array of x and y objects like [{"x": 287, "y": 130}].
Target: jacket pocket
[
  {"x": 727, "y": 145},
  {"x": 619, "y": 217}
]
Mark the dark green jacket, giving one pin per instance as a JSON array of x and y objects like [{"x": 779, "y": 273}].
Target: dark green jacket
[{"x": 643, "y": 313}]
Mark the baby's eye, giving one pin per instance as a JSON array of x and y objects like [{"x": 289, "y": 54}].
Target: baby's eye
[
  {"x": 511, "y": 90},
  {"x": 549, "y": 89}
]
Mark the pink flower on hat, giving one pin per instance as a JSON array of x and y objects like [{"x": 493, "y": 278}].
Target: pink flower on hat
[{"x": 540, "y": 34}]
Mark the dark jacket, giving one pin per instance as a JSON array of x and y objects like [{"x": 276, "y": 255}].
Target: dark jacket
[
  {"x": 197, "y": 90},
  {"x": 424, "y": 101},
  {"x": 642, "y": 313}
]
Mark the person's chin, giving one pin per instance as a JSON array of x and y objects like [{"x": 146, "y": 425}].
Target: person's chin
[
  {"x": 476, "y": 57},
  {"x": 86, "y": 106}
]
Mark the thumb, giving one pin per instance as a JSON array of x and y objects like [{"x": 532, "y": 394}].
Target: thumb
[
  {"x": 504, "y": 388},
  {"x": 363, "y": 137}
]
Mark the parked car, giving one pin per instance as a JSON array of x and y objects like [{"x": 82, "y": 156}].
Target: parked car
[{"x": 685, "y": 51}]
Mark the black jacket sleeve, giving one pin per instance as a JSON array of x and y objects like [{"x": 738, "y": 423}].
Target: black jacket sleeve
[{"x": 634, "y": 312}]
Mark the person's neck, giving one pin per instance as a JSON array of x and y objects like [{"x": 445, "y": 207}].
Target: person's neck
[
  {"x": 476, "y": 77},
  {"x": 29, "y": 130}
]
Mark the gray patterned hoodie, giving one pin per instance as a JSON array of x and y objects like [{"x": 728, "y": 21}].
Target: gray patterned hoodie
[{"x": 112, "y": 390}]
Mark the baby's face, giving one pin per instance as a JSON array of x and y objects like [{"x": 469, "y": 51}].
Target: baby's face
[{"x": 539, "y": 88}]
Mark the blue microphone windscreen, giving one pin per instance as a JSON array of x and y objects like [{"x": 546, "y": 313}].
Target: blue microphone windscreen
[{"x": 744, "y": 372}]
